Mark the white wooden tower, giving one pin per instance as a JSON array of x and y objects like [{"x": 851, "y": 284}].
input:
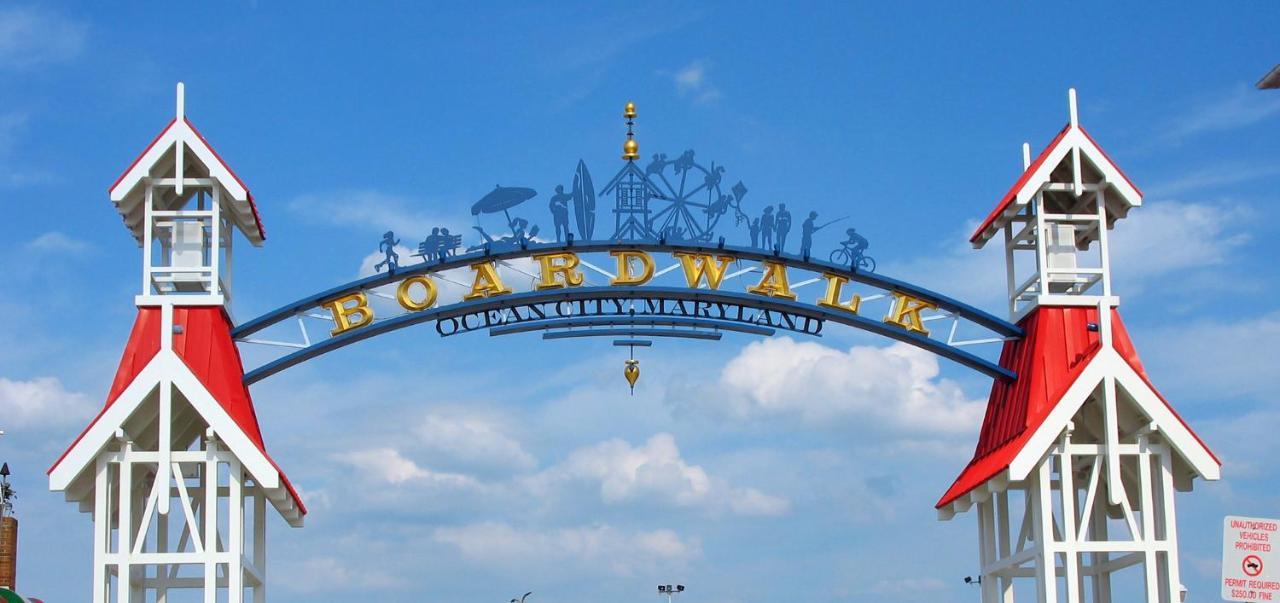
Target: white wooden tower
[
  {"x": 174, "y": 469},
  {"x": 1074, "y": 475}
]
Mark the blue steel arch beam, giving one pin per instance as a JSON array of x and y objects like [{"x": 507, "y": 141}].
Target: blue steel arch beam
[
  {"x": 504, "y": 302},
  {"x": 1001, "y": 327},
  {"x": 953, "y": 308}
]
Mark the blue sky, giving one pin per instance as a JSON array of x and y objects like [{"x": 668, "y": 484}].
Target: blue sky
[{"x": 474, "y": 469}]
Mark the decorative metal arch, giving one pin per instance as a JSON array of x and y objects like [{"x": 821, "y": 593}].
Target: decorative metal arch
[{"x": 650, "y": 310}]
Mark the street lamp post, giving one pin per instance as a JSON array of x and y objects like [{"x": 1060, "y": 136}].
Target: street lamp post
[{"x": 669, "y": 591}]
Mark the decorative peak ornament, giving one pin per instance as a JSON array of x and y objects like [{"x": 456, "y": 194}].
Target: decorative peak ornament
[
  {"x": 632, "y": 373},
  {"x": 630, "y": 148}
]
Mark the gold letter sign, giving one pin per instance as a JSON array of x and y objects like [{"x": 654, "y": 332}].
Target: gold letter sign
[
  {"x": 487, "y": 283},
  {"x": 406, "y": 299},
  {"x": 906, "y": 312},
  {"x": 561, "y": 263},
  {"x": 836, "y": 282},
  {"x": 350, "y": 312},
  {"x": 625, "y": 276},
  {"x": 774, "y": 282},
  {"x": 698, "y": 264}
]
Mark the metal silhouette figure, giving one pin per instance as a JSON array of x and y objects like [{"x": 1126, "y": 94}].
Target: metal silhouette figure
[
  {"x": 440, "y": 244},
  {"x": 783, "y": 226},
  {"x": 754, "y": 229},
  {"x": 559, "y": 206},
  {"x": 808, "y": 228},
  {"x": 391, "y": 259},
  {"x": 852, "y": 252},
  {"x": 767, "y": 227},
  {"x": 584, "y": 201},
  {"x": 502, "y": 199}
]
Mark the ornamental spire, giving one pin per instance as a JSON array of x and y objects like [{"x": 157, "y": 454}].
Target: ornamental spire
[{"x": 630, "y": 148}]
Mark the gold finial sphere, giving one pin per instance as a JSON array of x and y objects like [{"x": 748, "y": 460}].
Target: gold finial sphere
[
  {"x": 629, "y": 111},
  {"x": 631, "y": 150}
]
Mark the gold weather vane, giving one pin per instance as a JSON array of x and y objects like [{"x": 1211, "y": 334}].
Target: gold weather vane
[{"x": 630, "y": 148}]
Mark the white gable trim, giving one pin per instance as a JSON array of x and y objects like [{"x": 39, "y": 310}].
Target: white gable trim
[
  {"x": 1171, "y": 427},
  {"x": 179, "y": 131},
  {"x": 1029, "y": 457},
  {"x": 1109, "y": 170},
  {"x": 224, "y": 426},
  {"x": 1076, "y": 139},
  {"x": 84, "y": 453},
  {"x": 1109, "y": 362}
]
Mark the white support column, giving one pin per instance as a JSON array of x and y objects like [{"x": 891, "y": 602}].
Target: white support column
[
  {"x": 1046, "y": 558},
  {"x": 987, "y": 549},
  {"x": 235, "y": 537},
  {"x": 1168, "y": 519},
  {"x": 101, "y": 529},
  {"x": 124, "y": 525},
  {"x": 148, "y": 237},
  {"x": 1103, "y": 245},
  {"x": 1003, "y": 522},
  {"x": 1150, "y": 564},
  {"x": 260, "y": 542},
  {"x": 1070, "y": 548},
  {"x": 210, "y": 519}
]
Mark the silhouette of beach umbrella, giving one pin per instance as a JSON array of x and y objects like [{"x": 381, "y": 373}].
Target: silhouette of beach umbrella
[{"x": 501, "y": 199}]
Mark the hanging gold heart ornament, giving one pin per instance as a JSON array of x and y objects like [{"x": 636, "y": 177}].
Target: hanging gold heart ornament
[{"x": 632, "y": 372}]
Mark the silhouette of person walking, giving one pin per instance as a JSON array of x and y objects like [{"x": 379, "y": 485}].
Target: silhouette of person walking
[
  {"x": 766, "y": 228},
  {"x": 560, "y": 212},
  {"x": 784, "y": 225},
  {"x": 388, "y": 247}
]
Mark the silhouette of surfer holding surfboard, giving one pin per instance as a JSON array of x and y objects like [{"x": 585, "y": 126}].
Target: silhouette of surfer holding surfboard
[{"x": 560, "y": 212}]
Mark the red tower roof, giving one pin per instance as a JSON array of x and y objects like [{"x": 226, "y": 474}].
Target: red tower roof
[
  {"x": 202, "y": 340},
  {"x": 1055, "y": 351}
]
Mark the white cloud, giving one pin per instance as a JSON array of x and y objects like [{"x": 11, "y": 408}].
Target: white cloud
[
  {"x": 1170, "y": 236},
  {"x": 57, "y": 243},
  {"x": 623, "y": 553},
  {"x": 692, "y": 81},
  {"x": 33, "y": 37},
  {"x": 1242, "y": 106},
  {"x": 1212, "y": 177},
  {"x": 324, "y": 574},
  {"x": 377, "y": 212},
  {"x": 895, "y": 388},
  {"x": 653, "y": 472},
  {"x": 41, "y": 402},
  {"x": 1244, "y": 349},
  {"x": 388, "y": 465},
  {"x": 473, "y": 441}
]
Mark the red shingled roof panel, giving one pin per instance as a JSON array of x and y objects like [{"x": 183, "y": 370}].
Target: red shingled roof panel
[
  {"x": 1057, "y": 347},
  {"x": 205, "y": 345},
  {"x": 144, "y": 343}
]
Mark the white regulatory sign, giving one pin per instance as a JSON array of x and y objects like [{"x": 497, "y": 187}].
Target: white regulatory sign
[{"x": 1250, "y": 562}]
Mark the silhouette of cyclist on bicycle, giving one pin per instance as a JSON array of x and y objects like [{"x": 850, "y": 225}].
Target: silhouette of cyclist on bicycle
[{"x": 851, "y": 252}]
